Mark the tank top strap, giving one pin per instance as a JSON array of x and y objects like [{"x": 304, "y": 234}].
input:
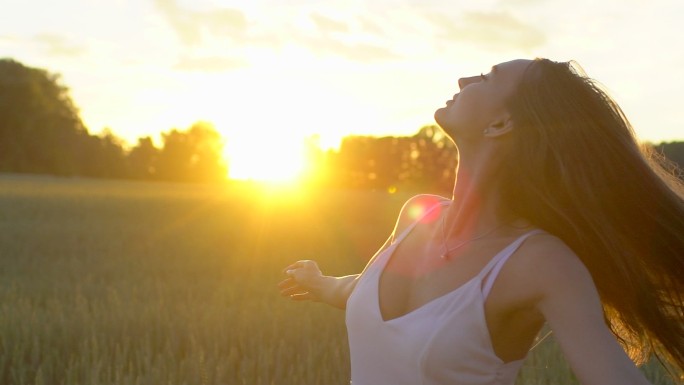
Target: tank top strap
[{"x": 491, "y": 271}]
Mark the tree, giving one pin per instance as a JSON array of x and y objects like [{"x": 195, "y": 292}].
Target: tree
[
  {"x": 425, "y": 162},
  {"x": 142, "y": 159},
  {"x": 40, "y": 128},
  {"x": 195, "y": 155},
  {"x": 103, "y": 156},
  {"x": 673, "y": 151}
]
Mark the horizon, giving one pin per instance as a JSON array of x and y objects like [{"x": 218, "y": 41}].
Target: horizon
[{"x": 263, "y": 69}]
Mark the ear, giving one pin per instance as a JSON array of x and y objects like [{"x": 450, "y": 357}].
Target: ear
[{"x": 499, "y": 127}]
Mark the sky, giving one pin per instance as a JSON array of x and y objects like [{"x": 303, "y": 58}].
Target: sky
[{"x": 269, "y": 73}]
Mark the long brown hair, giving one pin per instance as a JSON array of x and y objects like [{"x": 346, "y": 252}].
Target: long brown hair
[{"x": 576, "y": 170}]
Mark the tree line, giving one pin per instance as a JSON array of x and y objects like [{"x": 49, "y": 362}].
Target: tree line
[
  {"x": 41, "y": 132},
  {"x": 424, "y": 161}
]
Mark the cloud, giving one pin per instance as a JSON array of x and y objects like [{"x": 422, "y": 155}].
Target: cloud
[
  {"x": 190, "y": 25},
  {"x": 329, "y": 36},
  {"x": 326, "y": 24},
  {"x": 362, "y": 52},
  {"x": 224, "y": 22},
  {"x": 369, "y": 25},
  {"x": 344, "y": 39},
  {"x": 495, "y": 30},
  {"x": 209, "y": 64},
  {"x": 57, "y": 45},
  {"x": 8, "y": 38}
]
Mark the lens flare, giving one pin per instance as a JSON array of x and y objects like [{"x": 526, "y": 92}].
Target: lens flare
[{"x": 420, "y": 209}]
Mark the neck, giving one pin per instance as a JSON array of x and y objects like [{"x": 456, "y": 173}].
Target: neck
[{"x": 475, "y": 201}]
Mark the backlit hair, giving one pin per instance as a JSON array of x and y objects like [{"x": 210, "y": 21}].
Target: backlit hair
[{"x": 576, "y": 170}]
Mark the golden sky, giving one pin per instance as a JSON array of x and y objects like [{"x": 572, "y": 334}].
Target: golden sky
[{"x": 273, "y": 72}]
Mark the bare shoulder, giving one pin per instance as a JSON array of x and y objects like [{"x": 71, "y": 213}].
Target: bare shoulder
[
  {"x": 414, "y": 206},
  {"x": 547, "y": 251},
  {"x": 424, "y": 200},
  {"x": 545, "y": 265}
]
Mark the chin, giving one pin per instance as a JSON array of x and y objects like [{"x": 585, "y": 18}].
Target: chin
[{"x": 438, "y": 116}]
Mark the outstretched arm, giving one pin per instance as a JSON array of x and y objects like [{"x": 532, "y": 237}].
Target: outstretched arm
[
  {"x": 305, "y": 281},
  {"x": 570, "y": 303}
]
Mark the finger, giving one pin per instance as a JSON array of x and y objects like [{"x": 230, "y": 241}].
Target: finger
[
  {"x": 302, "y": 263},
  {"x": 287, "y": 283},
  {"x": 303, "y": 297},
  {"x": 296, "y": 265},
  {"x": 292, "y": 291}
]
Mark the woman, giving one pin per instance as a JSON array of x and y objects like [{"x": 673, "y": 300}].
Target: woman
[{"x": 557, "y": 216}]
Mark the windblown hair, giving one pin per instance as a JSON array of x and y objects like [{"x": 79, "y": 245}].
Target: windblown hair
[{"x": 576, "y": 170}]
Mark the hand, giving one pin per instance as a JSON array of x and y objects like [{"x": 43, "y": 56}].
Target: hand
[{"x": 304, "y": 281}]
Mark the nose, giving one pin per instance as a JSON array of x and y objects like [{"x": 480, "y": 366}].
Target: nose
[{"x": 463, "y": 82}]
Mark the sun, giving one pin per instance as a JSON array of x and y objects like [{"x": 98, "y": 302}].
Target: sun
[{"x": 270, "y": 161}]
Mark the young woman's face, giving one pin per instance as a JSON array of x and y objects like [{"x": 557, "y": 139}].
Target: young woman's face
[{"x": 481, "y": 101}]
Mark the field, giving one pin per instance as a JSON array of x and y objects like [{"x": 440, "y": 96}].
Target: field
[{"x": 110, "y": 282}]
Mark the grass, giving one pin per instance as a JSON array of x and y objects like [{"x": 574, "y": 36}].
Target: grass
[{"x": 110, "y": 282}]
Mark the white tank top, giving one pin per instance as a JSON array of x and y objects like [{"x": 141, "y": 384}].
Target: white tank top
[{"x": 445, "y": 341}]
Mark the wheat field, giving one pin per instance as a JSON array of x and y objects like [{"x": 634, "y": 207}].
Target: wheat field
[{"x": 113, "y": 282}]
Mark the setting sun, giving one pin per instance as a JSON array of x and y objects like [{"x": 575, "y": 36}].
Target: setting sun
[{"x": 266, "y": 161}]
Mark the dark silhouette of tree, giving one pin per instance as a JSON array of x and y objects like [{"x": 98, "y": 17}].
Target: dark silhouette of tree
[
  {"x": 142, "y": 159},
  {"x": 194, "y": 155},
  {"x": 673, "y": 151},
  {"x": 426, "y": 160},
  {"x": 432, "y": 160},
  {"x": 40, "y": 128},
  {"x": 41, "y": 132},
  {"x": 103, "y": 156}
]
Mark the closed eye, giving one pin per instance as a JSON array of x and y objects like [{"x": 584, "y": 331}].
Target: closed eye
[{"x": 483, "y": 76}]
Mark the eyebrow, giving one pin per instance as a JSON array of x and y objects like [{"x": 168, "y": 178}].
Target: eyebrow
[{"x": 494, "y": 69}]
